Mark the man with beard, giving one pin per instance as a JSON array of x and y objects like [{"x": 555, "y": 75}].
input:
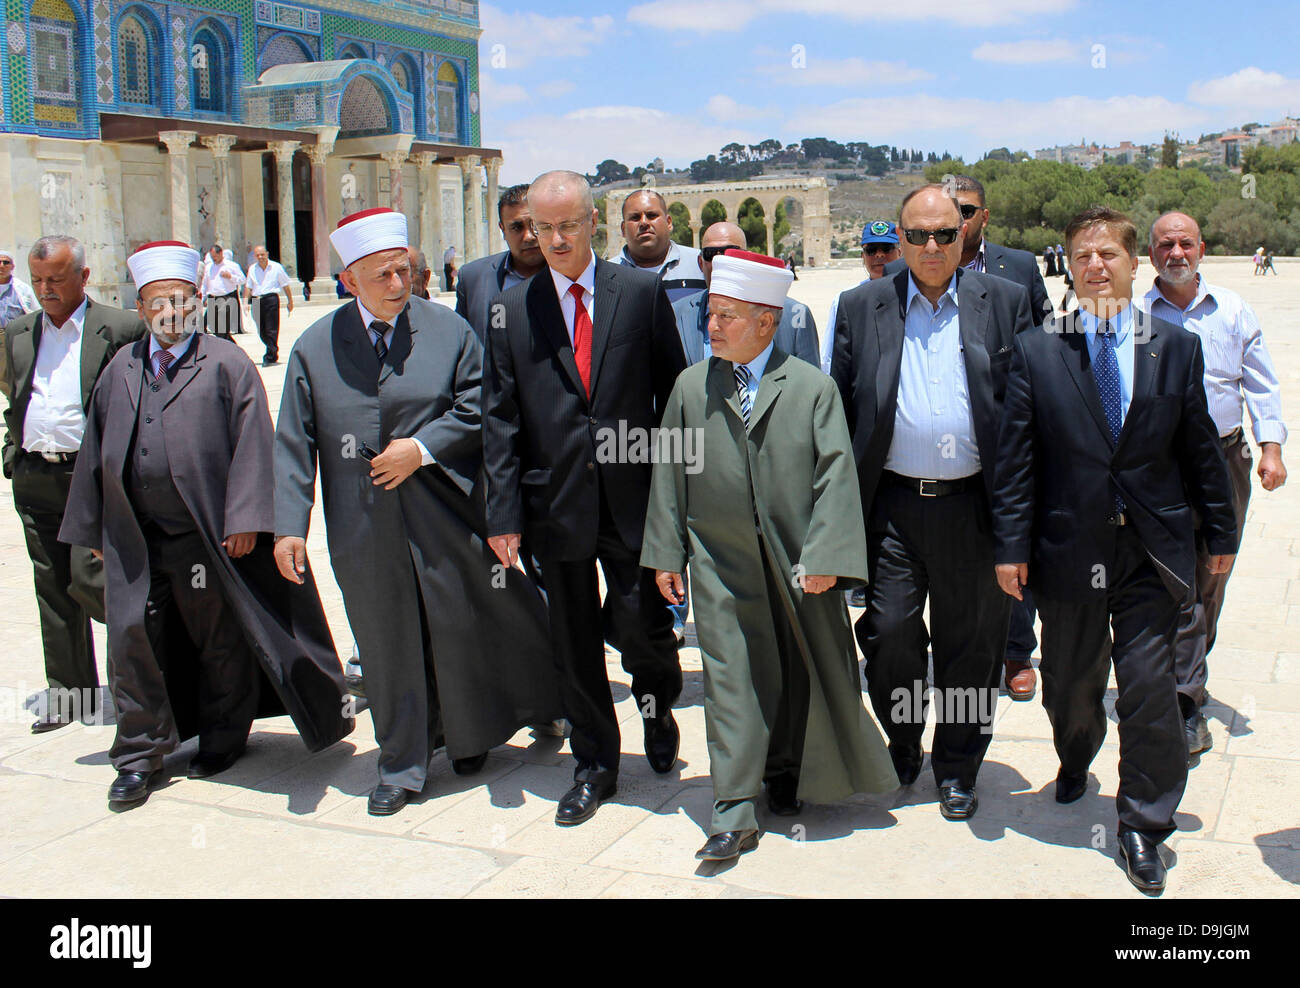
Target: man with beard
[
  {"x": 1238, "y": 371},
  {"x": 170, "y": 491},
  {"x": 382, "y": 396}
]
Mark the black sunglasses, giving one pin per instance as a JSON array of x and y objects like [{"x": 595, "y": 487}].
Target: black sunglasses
[
  {"x": 968, "y": 211},
  {"x": 871, "y": 250},
  {"x": 711, "y": 252},
  {"x": 943, "y": 237}
]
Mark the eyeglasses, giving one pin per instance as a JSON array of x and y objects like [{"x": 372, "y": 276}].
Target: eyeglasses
[
  {"x": 709, "y": 253},
  {"x": 871, "y": 250},
  {"x": 968, "y": 210},
  {"x": 943, "y": 236},
  {"x": 569, "y": 228}
]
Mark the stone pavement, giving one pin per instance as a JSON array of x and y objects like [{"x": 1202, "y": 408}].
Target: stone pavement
[{"x": 285, "y": 823}]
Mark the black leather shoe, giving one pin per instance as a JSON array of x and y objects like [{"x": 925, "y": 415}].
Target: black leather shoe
[
  {"x": 385, "y": 800},
  {"x": 1142, "y": 864},
  {"x": 724, "y": 847},
  {"x": 956, "y": 803},
  {"x": 857, "y": 597},
  {"x": 907, "y": 762},
  {"x": 44, "y": 726},
  {"x": 130, "y": 788},
  {"x": 781, "y": 798},
  {"x": 661, "y": 742},
  {"x": 1198, "y": 735},
  {"x": 206, "y": 764},
  {"x": 469, "y": 766},
  {"x": 580, "y": 803},
  {"x": 1070, "y": 787}
]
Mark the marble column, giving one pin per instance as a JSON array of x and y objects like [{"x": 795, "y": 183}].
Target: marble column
[
  {"x": 284, "y": 195},
  {"x": 395, "y": 160},
  {"x": 769, "y": 222},
  {"x": 695, "y": 233},
  {"x": 426, "y": 164},
  {"x": 471, "y": 198},
  {"x": 178, "y": 154},
  {"x": 323, "y": 284},
  {"x": 220, "y": 145},
  {"x": 496, "y": 243}
]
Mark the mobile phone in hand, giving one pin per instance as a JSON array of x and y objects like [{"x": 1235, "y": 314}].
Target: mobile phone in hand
[{"x": 367, "y": 453}]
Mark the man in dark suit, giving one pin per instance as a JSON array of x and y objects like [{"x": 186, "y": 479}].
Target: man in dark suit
[
  {"x": 1021, "y": 267},
  {"x": 483, "y": 280},
  {"x": 1107, "y": 451},
  {"x": 584, "y": 352},
  {"x": 921, "y": 362},
  {"x": 53, "y": 358}
]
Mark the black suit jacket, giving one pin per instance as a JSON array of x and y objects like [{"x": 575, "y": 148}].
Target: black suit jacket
[
  {"x": 869, "y": 349},
  {"x": 105, "y": 330},
  {"x": 477, "y": 284},
  {"x": 1018, "y": 266},
  {"x": 549, "y": 449},
  {"x": 1056, "y": 463}
]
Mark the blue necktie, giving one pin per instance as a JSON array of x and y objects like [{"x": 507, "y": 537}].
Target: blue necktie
[
  {"x": 1105, "y": 369},
  {"x": 742, "y": 392}
]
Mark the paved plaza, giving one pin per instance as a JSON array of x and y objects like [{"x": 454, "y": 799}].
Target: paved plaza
[{"x": 283, "y": 822}]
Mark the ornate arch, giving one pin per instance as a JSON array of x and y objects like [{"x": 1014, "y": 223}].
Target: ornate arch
[
  {"x": 139, "y": 61},
  {"x": 212, "y": 77},
  {"x": 283, "y": 48}
]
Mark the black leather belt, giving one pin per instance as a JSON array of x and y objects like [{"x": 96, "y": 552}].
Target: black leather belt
[
  {"x": 1231, "y": 439},
  {"x": 1119, "y": 519},
  {"x": 234, "y": 294},
  {"x": 933, "y": 488}
]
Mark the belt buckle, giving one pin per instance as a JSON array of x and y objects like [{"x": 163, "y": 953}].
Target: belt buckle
[{"x": 923, "y": 492}]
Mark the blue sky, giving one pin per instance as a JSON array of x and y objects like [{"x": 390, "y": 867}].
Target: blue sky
[{"x": 566, "y": 85}]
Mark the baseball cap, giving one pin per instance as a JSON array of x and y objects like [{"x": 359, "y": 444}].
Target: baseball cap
[{"x": 879, "y": 232}]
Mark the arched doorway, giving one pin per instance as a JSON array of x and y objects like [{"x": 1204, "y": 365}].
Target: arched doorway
[
  {"x": 681, "y": 220},
  {"x": 365, "y": 110},
  {"x": 753, "y": 220},
  {"x": 712, "y": 212}
]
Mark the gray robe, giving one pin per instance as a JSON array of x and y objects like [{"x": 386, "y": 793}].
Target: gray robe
[
  {"x": 417, "y": 577},
  {"x": 219, "y": 441}
]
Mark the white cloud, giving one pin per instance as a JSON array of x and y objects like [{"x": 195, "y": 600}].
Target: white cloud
[
  {"x": 1250, "y": 92},
  {"x": 581, "y": 138},
  {"x": 847, "y": 72},
  {"x": 725, "y": 109},
  {"x": 494, "y": 93},
  {"x": 555, "y": 89},
  {"x": 707, "y": 16},
  {"x": 515, "y": 40},
  {"x": 979, "y": 124},
  {"x": 1029, "y": 52}
]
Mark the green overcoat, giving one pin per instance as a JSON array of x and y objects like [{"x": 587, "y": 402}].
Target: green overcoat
[{"x": 784, "y": 495}]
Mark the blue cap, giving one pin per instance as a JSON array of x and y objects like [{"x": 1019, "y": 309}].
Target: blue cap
[{"x": 879, "y": 232}]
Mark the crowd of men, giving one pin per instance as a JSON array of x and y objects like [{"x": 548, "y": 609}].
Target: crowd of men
[{"x": 953, "y": 441}]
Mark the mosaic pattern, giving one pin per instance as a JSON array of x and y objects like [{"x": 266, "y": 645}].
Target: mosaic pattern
[
  {"x": 180, "y": 66},
  {"x": 103, "y": 29}
]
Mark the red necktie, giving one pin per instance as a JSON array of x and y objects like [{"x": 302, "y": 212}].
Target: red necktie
[{"x": 581, "y": 337}]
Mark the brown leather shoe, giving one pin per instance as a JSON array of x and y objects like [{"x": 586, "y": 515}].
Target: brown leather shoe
[{"x": 1021, "y": 680}]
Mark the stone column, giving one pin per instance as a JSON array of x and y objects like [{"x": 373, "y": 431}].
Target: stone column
[
  {"x": 178, "y": 153},
  {"x": 769, "y": 221},
  {"x": 426, "y": 164},
  {"x": 395, "y": 160},
  {"x": 220, "y": 145},
  {"x": 322, "y": 285},
  {"x": 471, "y": 191},
  {"x": 695, "y": 233},
  {"x": 496, "y": 242},
  {"x": 284, "y": 193}
]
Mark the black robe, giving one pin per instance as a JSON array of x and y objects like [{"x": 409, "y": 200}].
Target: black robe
[{"x": 219, "y": 440}]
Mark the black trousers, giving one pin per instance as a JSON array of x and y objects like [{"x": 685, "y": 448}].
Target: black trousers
[
  {"x": 183, "y": 583},
  {"x": 268, "y": 324},
  {"x": 940, "y": 548},
  {"x": 1198, "y": 624},
  {"x": 69, "y": 579},
  {"x": 644, "y": 627},
  {"x": 448, "y": 278},
  {"x": 1020, "y": 634},
  {"x": 1078, "y": 651},
  {"x": 221, "y": 314}
]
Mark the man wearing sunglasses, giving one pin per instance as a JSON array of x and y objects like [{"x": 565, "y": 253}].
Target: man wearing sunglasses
[
  {"x": 879, "y": 248},
  {"x": 921, "y": 362},
  {"x": 647, "y": 228}
]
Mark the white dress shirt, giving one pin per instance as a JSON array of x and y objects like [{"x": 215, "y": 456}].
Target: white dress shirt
[
  {"x": 1237, "y": 364},
  {"x": 368, "y": 317},
  {"x": 588, "y": 282},
  {"x": 55, "y": 419},
  {"x": 268, "y": 281},
  {"x": 214, "y": 284}
]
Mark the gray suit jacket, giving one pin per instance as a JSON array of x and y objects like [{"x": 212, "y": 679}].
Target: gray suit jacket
[
  {"x": 478, "y": 283},
  {"x": 797, "y": 333}
]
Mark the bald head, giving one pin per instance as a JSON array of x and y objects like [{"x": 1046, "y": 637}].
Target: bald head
[
  {"x": 564, "y": 218},
  {"x": 1175, "y": 248},
  {"x": 562, "y": 184},
  {"x": 721, "y": 234}
]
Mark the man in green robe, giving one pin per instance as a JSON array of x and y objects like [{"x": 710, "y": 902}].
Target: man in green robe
[{"x": 754, "y": 483}]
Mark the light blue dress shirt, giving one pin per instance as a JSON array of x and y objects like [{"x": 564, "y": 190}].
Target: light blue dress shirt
[
  {"x": 1122, "y": 326},
  {"x": 756, "y": 368},
  {"x": 934, "y": 433}
]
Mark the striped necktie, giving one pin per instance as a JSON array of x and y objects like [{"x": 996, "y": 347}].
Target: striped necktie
[
  {"x": 379, "y": 329},
  {"x": 164, "y": 360},
  {"x": 743, "y": 393},
  {"x": 1105, "y": 370}
]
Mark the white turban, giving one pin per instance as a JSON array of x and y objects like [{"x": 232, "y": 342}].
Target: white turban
[
  {"x": 164, "y": 260},
  {"x": 749, "y": 277},
  {"x": 369, "y": 232}
]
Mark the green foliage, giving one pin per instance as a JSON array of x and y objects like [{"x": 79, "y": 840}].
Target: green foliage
[
  {"x": 712, "y": 212},
  {"x": 680, "y": 216},
  {"x": 752, "y": 221}
]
